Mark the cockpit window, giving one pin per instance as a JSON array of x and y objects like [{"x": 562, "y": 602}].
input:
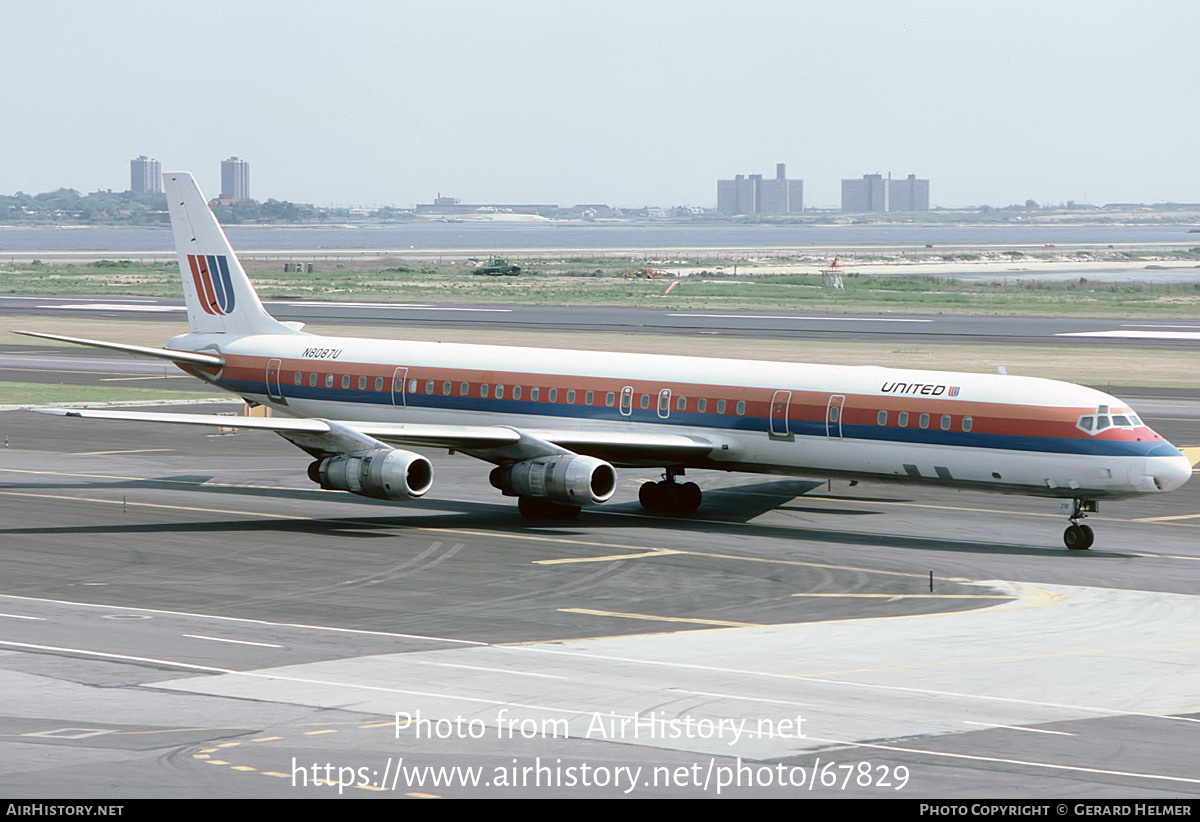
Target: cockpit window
[{"x": 1101, "y": 420}]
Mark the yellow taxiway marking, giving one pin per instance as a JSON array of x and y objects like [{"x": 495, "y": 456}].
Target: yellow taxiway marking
[
  {"x": 913, "y": 596},
  {"x": 653, "y": 552},
  {"x": 651, "y": 618},
  {"x": 325, "y": 731},
  {"x": 126, "y": 451},
  {"x": 1170, "y": 518},
  {"x": 132, "y": 504},
  {"x": 130, "y": 379},
  {"x": 1192, "y": 453}
]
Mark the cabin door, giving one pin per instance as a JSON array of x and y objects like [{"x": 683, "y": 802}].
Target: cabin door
[
  {"x": 780, "y": 404},
  {"x": 273, "y": 389},
  {"x": 833, "y": 416},
  {"x": 398, "y": 379},
  {"x": 627, "y": 401}
]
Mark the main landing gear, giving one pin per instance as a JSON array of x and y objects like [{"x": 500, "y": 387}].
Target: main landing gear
[
  {"x": 1079, "y": 537},
  {"x": 670, "y": 496}
]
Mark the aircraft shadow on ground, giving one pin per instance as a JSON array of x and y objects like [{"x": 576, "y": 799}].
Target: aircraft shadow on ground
[{"x": 739, "y": 506}]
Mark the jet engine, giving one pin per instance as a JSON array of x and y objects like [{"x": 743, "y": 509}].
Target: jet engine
[
  {"x": 385, "y": 473},
  {"x": 569, "y": 479}
]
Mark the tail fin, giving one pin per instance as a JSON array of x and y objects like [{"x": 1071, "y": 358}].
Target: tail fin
[{"x": 219, "y": 296}]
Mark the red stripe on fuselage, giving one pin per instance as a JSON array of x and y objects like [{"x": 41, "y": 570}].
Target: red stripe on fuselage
[{"x": 1018, "y": 420}]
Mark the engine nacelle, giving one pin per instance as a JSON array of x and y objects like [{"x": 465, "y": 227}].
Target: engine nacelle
[
  {"x": 385, "y": 473},
  {"x": 570, "y": 479}
]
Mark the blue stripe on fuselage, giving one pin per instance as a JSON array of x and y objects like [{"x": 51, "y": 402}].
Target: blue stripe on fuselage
[{"x": 729, "y": 422}]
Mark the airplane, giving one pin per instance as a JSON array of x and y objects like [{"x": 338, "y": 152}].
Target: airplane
[{"x": 557, "y": 424}]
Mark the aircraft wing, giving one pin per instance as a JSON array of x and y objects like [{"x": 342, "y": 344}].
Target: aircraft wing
[{"x": 493, "y": 443}]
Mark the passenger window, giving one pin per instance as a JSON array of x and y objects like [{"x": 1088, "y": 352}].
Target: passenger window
[
  {"x": 329, "y": 381},
  {"x": 902, "y": 420},
  {"x": 589, "y": 397},
  {"x": 379, "y": 383},
  {"x": 741, "y": 408},
  {"x": 610, "y": 398},
  {"x": 924, "y": 422},
  {"x": 499, "y": 392},
  {"x": 681, "y": 404},
  {"x": 533, "y": 393},
  {"x": 299, "y": 378},
  {"x": 429, "y": 386},
  {"x": 464, "y": 389},
  {"x": 881, "y": 419},
  {"x": 945, "y": 422},
  {"x": 570, "y": 396},
  {"x": 312, "y": 378},
  {"x": 553, "y": 395},
  {"x": 412, "y": 386},
  {"x": 701, "y": 405},
  {"x": 483, "y": 390},
  {"x": 447, "y": 388},
  {"x": 720, "y": 406},
  {"x": 516, "y": 392},
  {"x": 362, "y": 383},
  {"x": 345, "y": 381},
  {"x": 645, "y": 401},
  {"x": 967, "y": 422}
]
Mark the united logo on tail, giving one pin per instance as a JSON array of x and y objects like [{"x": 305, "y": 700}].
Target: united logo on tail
[{"x": 213, "y": 285}]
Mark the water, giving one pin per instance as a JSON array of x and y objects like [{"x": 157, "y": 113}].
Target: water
[{"x": 502, "y": 236}]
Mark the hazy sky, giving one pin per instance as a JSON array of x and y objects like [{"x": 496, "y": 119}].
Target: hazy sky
[{"x": 626, "y": 103}]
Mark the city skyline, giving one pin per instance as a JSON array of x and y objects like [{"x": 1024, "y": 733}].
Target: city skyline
[{"x": 618, "y": 103}]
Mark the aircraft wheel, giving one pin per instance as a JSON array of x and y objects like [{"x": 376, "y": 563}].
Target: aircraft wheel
[
  {"x": 690, "y": 497},
  {"x": 539, "y": 508},
  {"x": 650, "y": 496},
  {"x": 1089, "y": 536},
  {"x": 1077, "y": 537}
]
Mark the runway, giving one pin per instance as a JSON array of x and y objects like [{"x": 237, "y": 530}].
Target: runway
[
  {"x": 184, "y": 614},
  {"x": 939, "y": 328}
]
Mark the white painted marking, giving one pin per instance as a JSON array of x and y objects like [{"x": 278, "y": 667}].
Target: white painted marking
[
  {"x": 21, "y": 616},
  {"x": 1017, "y": 728},
  {"x": 489, "y": 670},
  {"x": 116, "y": 307},
  {"x": 1136, "y": 335},
  {"x": 403, "y": 306},
  {"x": 234, "y": 641},
  {"x": 1156, "y": 325},
  {"x": 790, "y": 317},
  {"x": 246, "y": 621}
]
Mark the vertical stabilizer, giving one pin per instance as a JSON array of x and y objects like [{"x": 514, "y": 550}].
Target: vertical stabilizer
[{"x": 219, "y": 296}]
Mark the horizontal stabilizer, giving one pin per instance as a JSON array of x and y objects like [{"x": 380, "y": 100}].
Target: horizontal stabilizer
[{"x": 161, "y": 353}]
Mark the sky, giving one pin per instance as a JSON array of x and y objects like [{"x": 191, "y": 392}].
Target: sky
[{"x": 386, "y": 102}]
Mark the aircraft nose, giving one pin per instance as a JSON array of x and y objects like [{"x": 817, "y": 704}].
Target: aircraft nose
[{"x": 1169, "y": 473}]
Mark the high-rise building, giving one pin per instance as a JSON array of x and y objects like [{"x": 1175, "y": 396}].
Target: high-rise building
[
  {"x": 145, "y": 175},
  {"x": 874, "y": 192},
  {"x": 754, "y": 195},
  {"x": 235, "y": 179}
]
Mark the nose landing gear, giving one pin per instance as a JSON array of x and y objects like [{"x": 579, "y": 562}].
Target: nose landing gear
[{"x": 1078, "y": 537}]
